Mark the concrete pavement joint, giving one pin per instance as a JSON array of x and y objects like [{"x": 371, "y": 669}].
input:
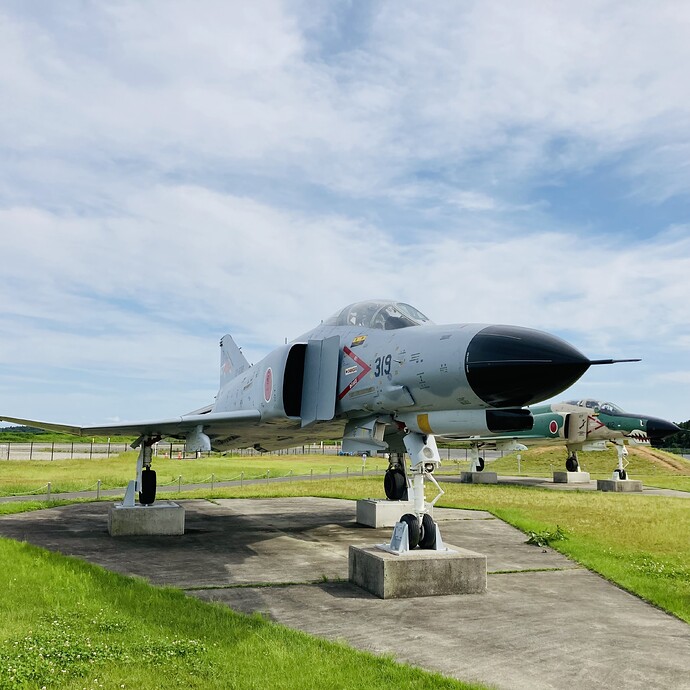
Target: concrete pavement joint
[
  {"x": 534, "y": 570},
  {"x": 252, "y": 585}
]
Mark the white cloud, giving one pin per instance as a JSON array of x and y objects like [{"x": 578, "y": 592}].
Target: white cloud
[{"x": 175, "y": 170}]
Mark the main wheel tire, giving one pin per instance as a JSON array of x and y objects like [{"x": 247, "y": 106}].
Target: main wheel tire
[
  {"x": 394, "y": 485},
  {"x": 427, "y": 536},
  {"x": 622, "y": 474},
  {"x": 572, "y": 465},
  {"x": 147, "y": 495},
  {"x": 412, "y": 529},
  {"x": 480, "y": 464}
]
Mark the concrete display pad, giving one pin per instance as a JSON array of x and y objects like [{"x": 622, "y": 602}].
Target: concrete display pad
[
  {"x": 571, "y": 477},
  {"x": 163, "y": 517},
  {"x": 479, "y": 478},
  {"x": 382, "y": 513},
  {"x": 543, "y": 623},
  {"x": 418, "y": 573},
  {"x": 624, "y": 485}
]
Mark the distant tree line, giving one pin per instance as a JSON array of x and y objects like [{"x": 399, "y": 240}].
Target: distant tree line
[
  {"x": 677, "y": 441},
  {"x": 22, "y": 430}
]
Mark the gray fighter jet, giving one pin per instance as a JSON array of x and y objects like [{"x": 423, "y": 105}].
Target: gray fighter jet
[{"x": 380, "y": 375}]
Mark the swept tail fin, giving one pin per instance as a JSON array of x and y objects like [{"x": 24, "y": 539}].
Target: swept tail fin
[{"x": 232, "y": 361}]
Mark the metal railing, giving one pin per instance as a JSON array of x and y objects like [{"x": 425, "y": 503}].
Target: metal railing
[{"x": 51, "y": 450}]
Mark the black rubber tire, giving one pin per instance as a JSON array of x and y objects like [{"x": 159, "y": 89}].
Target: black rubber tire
[
  {"x": 394, "y": 485},
  {"x": 427, "y": 536},
  {"x": 147, "y": 495},
  {"x": 572, "y": 465},
  {"x": 412, "y": 529},
  {"x": 480, "y": 464},
  {"x": 622, "y": 474}
]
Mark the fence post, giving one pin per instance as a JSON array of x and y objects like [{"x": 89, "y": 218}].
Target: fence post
[
  {"x": 213, "y": 480},
  {"x": 241, "y": 479},
  {"x": 91, "y": 451},
  {"x": 52, "y": 450},
  {"x": 8, "y": 451},
  {"x": 31, "y": 450},
  {"x": 179, "y": 484},
  {"x": 330, "y": 473},
  {"x": 98, "y": 489},
  {"x": 312, "y": 473},
  {"x": 268, "y": 475},
  {"x": 71, "y": 452},
  {"x": 347, "y": 472},
  {"x": 48, "y": 492}
]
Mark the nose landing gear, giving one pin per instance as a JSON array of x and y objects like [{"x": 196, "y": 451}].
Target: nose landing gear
[{"x": 419, "y": 527}]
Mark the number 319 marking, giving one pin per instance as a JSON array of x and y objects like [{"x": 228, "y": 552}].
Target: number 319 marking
[{"x": 382, "y": 365}]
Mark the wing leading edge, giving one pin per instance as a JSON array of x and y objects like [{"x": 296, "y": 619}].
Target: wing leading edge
[{"x": 215, "y": 422}]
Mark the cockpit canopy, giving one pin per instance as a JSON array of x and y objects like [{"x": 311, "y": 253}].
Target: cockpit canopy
[
  {"x": 385, "y": 315},
  {"x": 597, "y": 405}
]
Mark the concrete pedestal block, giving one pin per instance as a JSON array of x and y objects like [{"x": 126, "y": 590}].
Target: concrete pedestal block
[
  {"x": 163, "y": 517},
  {"x": 479, "y": 478},
  {"x": 625, "y": 485},
  {"x": 418, "y": 573},
  {"x": 571, "y": 477},
  {"x": 382, "y": 513}
]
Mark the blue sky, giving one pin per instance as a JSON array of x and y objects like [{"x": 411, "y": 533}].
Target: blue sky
[{"x": 173, "y": 171}]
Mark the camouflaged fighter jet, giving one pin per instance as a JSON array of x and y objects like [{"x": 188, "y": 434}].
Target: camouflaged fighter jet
[
  {"x": 380, "y": 375},
  {"x": 584, "y": 425}
]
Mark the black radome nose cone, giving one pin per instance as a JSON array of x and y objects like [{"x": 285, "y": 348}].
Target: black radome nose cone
[
  {"x": 510, "y": 366},
  {"x": 660, "y": 428}
]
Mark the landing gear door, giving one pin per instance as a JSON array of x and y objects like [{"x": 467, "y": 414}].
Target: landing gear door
[
  {"x": 576, "y": 427},
  {"x": 319, "y": 387}
]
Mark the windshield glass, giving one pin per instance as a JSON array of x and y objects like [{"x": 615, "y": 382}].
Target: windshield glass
[
  {"x": 382, "y": 314},
  {"x": 608, "y": 407}
]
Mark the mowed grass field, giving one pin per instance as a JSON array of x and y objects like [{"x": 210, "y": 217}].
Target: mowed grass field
[
  {"x": 65, "y": 623},
  {"x": 652, "y": 466},
  {"x": 27, "y": 476}
]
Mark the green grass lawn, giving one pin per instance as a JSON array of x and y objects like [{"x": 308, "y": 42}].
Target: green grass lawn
[
  {"x": 27, "y": 476},
  {"x": 653, "y": 466},
  {"x": 65, "y": 623}
]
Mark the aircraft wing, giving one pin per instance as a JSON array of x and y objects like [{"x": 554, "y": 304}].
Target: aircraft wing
[{"x": 216, "y": 422}]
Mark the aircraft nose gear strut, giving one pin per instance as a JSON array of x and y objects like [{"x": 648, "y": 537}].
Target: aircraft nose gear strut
[
  {"x": 418, "y": 528},
  {"x": 145, "y": 483},
  {"x": 620, "y": 471}
]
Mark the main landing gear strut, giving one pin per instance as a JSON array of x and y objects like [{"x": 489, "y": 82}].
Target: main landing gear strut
[
  {"x": 572, "y": 464},
  {"x": 145, "y": 483},
  {"x": 421, "y": 530}
]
